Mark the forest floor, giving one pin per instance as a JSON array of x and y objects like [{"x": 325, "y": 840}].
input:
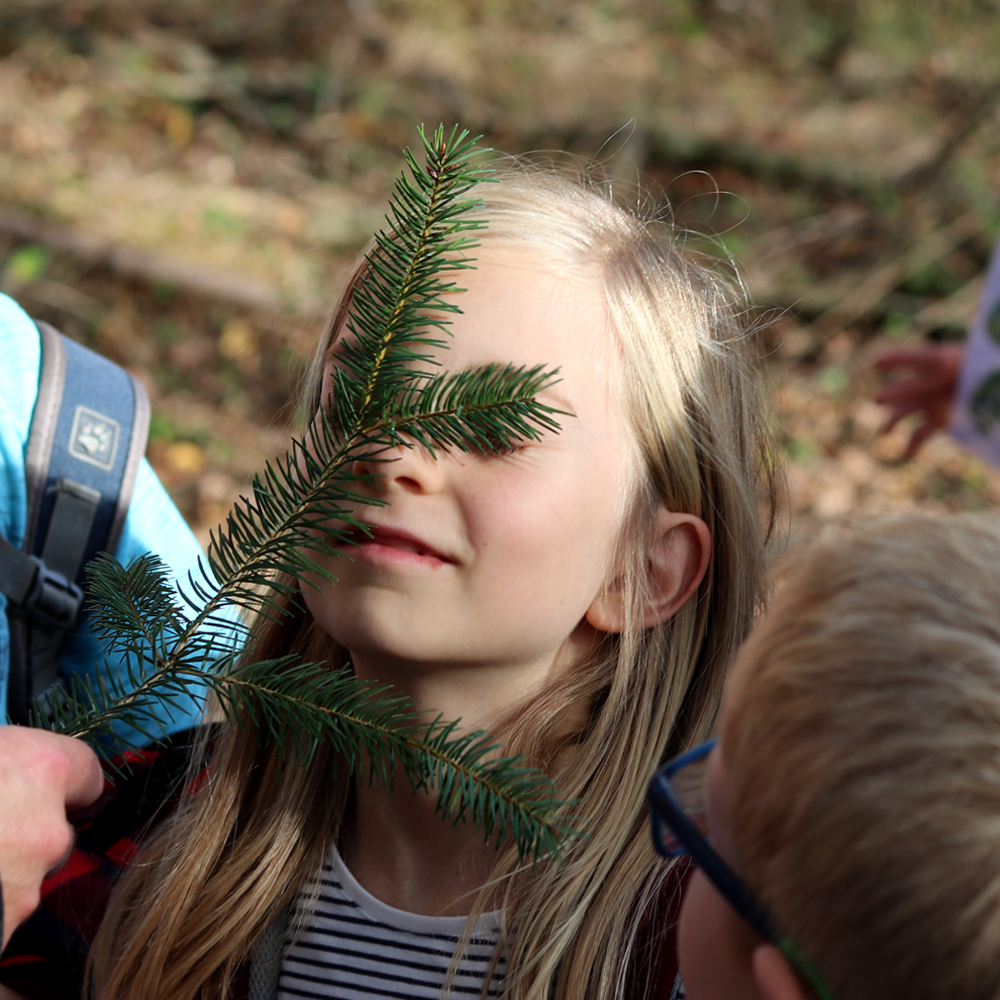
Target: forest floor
[{"x": 182, "y": 186}]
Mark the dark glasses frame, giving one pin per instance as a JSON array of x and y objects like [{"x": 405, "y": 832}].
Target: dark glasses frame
[{"x": 667, "y": 811}]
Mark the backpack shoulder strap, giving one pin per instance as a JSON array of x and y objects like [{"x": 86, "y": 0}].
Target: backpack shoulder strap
[
  {"x": 97, "y": 439},
  {"x": 88, "y": 434}
]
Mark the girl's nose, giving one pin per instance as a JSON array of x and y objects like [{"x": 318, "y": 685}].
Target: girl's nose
[{"x": 411, "y": 469}]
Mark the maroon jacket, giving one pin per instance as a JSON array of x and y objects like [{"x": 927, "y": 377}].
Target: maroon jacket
[{"x": 45, "y": 957}]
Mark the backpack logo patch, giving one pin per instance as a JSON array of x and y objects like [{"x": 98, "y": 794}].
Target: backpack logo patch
[{"x": 94, "y": 438}]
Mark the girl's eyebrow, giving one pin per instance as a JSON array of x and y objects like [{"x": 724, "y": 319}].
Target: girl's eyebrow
[{"x": 559, "y": 399}]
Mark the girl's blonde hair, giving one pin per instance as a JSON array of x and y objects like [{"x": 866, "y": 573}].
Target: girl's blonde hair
[
  {"x": 204, "y": 888},
  {"x": 861, "y": 750}
]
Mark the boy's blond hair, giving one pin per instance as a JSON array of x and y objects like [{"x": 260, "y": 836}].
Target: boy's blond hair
[{"x": 861, "y": 744}]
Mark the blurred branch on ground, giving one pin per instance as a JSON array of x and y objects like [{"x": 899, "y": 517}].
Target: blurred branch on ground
[{"x": 182, "y": 185}]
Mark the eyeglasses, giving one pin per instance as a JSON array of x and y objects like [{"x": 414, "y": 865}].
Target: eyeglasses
[{"x": 680, "y": 827}]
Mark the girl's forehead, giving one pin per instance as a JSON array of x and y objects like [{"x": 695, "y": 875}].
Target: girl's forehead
[
  {"x": 514, "y": 313},
  {"x": 520, "y": 306},
  {"x": 530, "y": 267},
  {"x": 516, "y": 302}
]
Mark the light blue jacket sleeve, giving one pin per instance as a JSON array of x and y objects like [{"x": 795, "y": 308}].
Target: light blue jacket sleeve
[
  {"x": 153, "y": 523},
  {"x": 20, "y": 356}
]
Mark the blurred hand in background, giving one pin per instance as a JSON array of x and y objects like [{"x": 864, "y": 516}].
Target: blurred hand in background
[{"x": 923, "y": 381}]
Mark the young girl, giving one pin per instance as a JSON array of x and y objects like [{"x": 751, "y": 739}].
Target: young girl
[{"x": 581, "y": 596}]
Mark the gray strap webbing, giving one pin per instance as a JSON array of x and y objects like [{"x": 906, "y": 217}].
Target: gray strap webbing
[
  {"x": 44, "y": 418},
  {"x": 69, "y": 529},
  {"x": 36, "y": 591},
  {"x": 677, "y": 990},
  {"x": 17, "y": 572},
  {"x": 136, "y": 450},
  {"x": 46, "y": 645},
  {"x": 266, "y": 955}
]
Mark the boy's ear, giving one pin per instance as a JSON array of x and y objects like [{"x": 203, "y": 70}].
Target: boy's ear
[
  {"x": 676, "y": 562},
  {"x": 775, "y": 977}
]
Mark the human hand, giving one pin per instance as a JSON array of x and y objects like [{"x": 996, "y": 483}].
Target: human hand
[
  {"x": 927, "y": 386},
  {"x": 42, "y": 776}
]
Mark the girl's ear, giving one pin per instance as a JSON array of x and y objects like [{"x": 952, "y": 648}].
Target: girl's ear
[
  {"x": 775, "y": 978},
  {"x": 676, "y": 562}
]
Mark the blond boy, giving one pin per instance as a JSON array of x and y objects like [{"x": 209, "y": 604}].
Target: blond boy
[{"x": 852, "y": 805}]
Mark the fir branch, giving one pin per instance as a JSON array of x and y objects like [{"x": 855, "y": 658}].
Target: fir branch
[
  {"x": 304, "y": 704},
  {"x": 497, "y": 793},
  {"x": 385, "y": 394}
]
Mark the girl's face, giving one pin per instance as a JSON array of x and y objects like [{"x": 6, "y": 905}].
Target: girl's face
[{"x": 494, "y": 562}]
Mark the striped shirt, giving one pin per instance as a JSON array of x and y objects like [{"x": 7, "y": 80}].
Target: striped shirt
[{"x": 355, "y": 947}]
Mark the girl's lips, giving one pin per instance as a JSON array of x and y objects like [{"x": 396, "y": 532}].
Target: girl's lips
[{"x": 396, "y": 545}]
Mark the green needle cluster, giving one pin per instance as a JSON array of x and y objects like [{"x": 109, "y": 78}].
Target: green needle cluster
[{"x": 388, "y": 389}]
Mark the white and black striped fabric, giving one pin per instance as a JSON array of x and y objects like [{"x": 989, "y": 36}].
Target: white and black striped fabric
[{"x": 355, "y": 947}]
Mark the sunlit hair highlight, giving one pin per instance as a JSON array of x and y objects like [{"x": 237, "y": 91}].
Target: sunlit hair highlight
[
  {"x": 691, "y": 393},
  {"x": 861, "y": 750}
]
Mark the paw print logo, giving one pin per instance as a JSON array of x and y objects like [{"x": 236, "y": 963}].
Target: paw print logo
[{"x": 94, "y": 438}]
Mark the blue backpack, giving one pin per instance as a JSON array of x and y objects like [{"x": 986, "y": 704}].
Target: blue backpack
[{"x": 88, "y": 434}]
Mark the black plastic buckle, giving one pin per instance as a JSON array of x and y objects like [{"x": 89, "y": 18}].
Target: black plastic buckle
[{"x": 53, "y": 600}]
